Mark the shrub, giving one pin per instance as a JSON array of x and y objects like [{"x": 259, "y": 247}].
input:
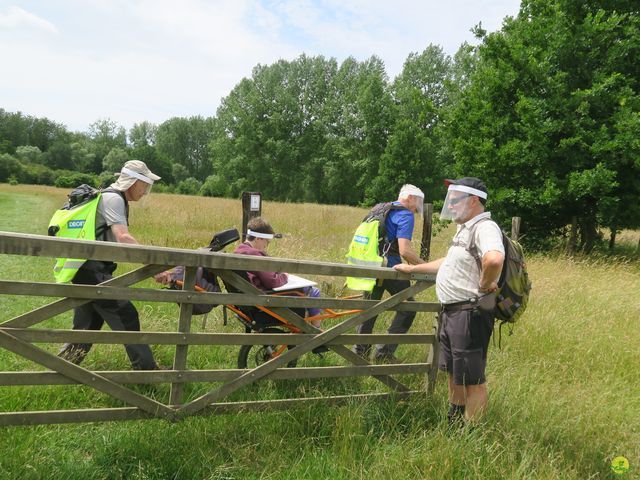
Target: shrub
[
  {"x": 190, "y": 186},
  {"x": 214, "y": 186},
  {"x": 9, "y": 167},
  {"x": 75, "y": 179},
  {"x": 163, "y": 188},
  {"x": 105, "y": 179},
  {"x": 28, "y": 154},
  {"x": 35, "y": 173}
]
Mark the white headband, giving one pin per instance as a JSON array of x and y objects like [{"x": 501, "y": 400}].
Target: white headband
[
  {"x": 137, "y": 175},
  {"x": 268, "y": 236},
  {"x": 465, "y": 189}
]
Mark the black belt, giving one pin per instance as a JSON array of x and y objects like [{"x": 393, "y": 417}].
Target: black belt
[{"x": 457, "y": 306}]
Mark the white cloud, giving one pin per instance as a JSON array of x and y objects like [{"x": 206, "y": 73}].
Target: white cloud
[{"x": 17, "y": 18}]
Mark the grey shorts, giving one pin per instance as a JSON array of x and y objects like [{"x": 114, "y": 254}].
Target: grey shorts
[{"x": 464, "y": 340}]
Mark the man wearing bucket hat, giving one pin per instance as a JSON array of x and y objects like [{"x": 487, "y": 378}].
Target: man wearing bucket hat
[
  {"x": 464, "y": 285},
  {"x": 399, "y": 231},
  {"x": 111, "y": 225}
]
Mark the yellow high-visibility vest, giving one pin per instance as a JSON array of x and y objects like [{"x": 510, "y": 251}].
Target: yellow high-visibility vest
[{"x": 78, "y": 221}]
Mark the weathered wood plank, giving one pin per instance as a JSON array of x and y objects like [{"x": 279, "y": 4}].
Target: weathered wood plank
[
  {"x": 184, "y": 326},
  {"x": 244, "y": 286},
  {"x": 129, "y": 413},
  {"x": 39, "y": 245},
  {"x": 8, "y": 379},
  {"x": 432, "y": 360},
  {"x": 283, "y": 359},
  {"x": 175, "y": 296},
  {"x": 81, "y": 375},
  {"x": 172, "y": 338},
  {"x": 55, "y": 308}
]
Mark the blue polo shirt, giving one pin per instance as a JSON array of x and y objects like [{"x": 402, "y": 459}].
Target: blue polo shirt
[{"x": 399, "y": 224}]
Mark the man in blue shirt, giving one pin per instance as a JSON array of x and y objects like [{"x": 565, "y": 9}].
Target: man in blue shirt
[{"x": 399, "y": 225}]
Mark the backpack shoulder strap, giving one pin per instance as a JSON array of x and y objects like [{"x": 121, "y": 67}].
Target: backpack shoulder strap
[
  {"x": 381, "y": 212},
  {"x": 102, "y": 233},
  {"x": 126, "y": 202},
  {"x": 472, "y": 248}
]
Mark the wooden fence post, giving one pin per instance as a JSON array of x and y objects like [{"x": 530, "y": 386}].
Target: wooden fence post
[
  {"x": 515, "y": 228},
  {"x": 184, "y": 326},
  {"x": 251, "y": 208},
  {"x": 427, "y": 226}
]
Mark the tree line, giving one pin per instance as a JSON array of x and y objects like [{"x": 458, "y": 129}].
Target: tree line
[{"x": 545, "y": 110}]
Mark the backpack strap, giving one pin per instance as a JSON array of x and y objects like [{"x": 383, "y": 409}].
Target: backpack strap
[
  {"x": 124, "y": 197},
  {"x": 102, "y": 233},
  {"x": 472, "y": 248},
  {"x": 388, "y": 248}
]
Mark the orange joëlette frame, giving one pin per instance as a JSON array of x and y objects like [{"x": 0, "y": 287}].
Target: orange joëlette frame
[{"x": 323, "y": 316}]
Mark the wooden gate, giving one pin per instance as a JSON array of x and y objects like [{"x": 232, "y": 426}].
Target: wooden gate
[{"x": 19, "y": 336}]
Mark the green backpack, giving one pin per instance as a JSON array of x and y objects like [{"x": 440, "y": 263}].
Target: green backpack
[
  {"x": 368, "y": 246},
  {"x": 514, "y": 285}
]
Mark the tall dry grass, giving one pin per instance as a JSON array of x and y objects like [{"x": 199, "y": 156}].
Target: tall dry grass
[{"x": 563, "y": 388}]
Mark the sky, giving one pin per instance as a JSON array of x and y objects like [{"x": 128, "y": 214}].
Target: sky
[{"x": 78, "y": 61}]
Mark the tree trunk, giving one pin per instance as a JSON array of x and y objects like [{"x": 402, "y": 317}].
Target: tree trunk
[
  {"x": 588, "y": 234},
  {"x": 612, "y": 239},
  {"x": 573, "y": 236}
]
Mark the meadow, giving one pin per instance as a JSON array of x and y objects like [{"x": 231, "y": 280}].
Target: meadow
[{"x": 564, "y": 387}]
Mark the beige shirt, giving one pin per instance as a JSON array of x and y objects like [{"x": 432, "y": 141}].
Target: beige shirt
[{"x": 458, "y": 276}]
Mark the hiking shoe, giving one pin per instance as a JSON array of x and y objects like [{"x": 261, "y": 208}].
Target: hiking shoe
[
  {"x": 387, "y": 358},
  {"x": 364, "y": 353},
  {"x": 72, "y": 353}
]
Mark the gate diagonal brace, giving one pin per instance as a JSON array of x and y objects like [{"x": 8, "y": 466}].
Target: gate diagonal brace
[
  {"x": 52, "y": 309},
  {"x": 83, "y": 376},
  {"x": 266, "y": 368},
  {"x": 241, "y": 284}
]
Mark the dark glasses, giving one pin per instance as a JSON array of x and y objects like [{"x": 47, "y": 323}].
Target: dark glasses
[{"x": 455, "y": 201}]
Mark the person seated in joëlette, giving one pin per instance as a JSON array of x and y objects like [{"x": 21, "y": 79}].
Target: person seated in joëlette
[{"x": 259, "y": 235}]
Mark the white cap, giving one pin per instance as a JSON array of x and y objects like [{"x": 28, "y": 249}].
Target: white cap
[
  {"x": 131, "y": 171},
  {"x": 408, "y": 189}
]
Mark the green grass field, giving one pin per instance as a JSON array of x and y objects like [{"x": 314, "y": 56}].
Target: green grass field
[{"x": 564, "y": 388}]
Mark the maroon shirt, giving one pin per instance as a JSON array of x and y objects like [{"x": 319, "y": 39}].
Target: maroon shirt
[{"x": 262, "y": 280}]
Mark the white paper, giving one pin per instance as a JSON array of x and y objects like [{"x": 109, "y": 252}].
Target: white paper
[{"x": 294, "y": 283}]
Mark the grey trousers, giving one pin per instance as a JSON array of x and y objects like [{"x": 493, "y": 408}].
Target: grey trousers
[
  {"x": 118, "y": 314},
  {"x": 401, "y": 323}
]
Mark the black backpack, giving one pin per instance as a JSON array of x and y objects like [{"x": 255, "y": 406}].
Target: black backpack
[
  {"x": 379, "y": 213},
  {"x": 206, "y": 279}
]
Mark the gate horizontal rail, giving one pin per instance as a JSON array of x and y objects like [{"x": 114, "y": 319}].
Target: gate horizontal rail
[{"x": 16, "y": 334}]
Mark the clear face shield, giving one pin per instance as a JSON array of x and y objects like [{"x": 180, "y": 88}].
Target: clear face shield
[
  {"x": 457, "y": 205},
  {"x": 145, "y": 194}
]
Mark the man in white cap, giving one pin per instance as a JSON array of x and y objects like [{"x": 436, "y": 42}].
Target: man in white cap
[
  {"x": 399, "y": 225},
  {"x": 465, "y": 282},
  {"x": 112, "y": 225}
]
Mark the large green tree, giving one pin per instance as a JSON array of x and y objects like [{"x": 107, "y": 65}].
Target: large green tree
[
  {"x": 17, "y": 129},
  {"x": 412, "y": 155},
  {"x": 103, "y": 136},
  {"x": 143, "y": 134},
  {"x": 358, "y": 120},
  {"x": 185, "y": 141},
  {"x": 304, "y": 130},
  {"x": 270, "y": 130},
  {"x": 551, "y": 117}
]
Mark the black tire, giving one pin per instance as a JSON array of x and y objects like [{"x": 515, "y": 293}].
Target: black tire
[{"x": 251, "y": 356}]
